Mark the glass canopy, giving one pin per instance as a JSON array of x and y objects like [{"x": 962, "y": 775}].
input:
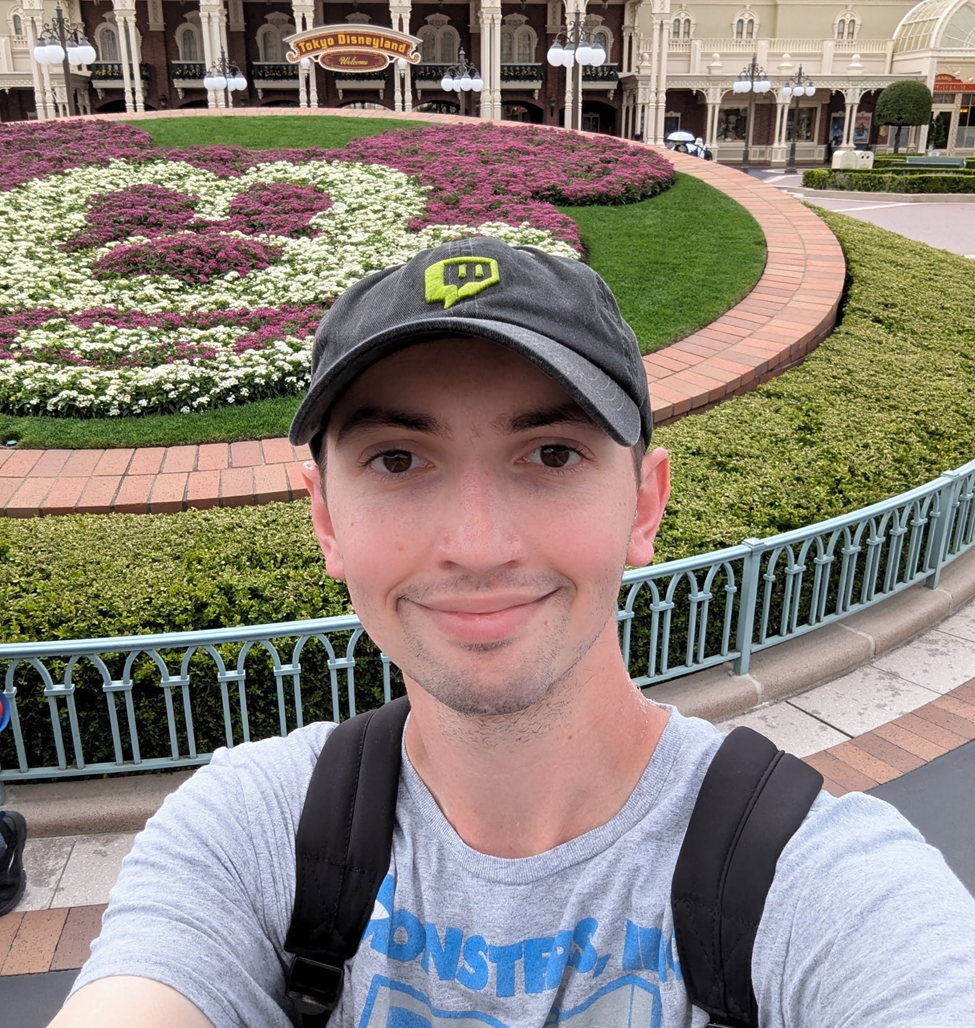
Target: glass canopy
[{"x": 942, "y": 24}]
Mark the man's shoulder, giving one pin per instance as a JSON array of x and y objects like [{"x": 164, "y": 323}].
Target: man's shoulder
[{"x": 272, "y": 772}]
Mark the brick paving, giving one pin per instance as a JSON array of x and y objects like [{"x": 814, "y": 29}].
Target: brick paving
[
  {"x": 790, "y": 311},
  {"x": 58, "y": 939}
]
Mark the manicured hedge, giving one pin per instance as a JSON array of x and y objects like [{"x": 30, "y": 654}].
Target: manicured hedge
[
  {"x": 891, "y": 181},
  {"x": 883, "y": 405},
  {"x": 887, "y": 160}
]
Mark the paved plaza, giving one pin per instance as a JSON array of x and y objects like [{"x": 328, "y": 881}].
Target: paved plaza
[{"x": 947, "y": 226}]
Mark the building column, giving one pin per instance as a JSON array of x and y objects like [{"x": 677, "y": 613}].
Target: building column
[
  {"x": 126, "y": 20},
  {"x": 780, "y": 144},
  {"x": 490, "y": 64},
  {"x": 32, "y": 24},
  {"x": 124, "y": 55},
  {"x": 851, "y": 110},
  {"x": 213, "y": 23},
  {"x": 662, "y": 79},
  {"x": 399, "y": 19},
  {"x": 304, "y": 18}
]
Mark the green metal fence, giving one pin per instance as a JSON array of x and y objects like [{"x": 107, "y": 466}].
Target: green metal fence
[{"x": 142, "y": 703}]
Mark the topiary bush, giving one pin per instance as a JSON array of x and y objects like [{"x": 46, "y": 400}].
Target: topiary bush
[{"x": 906, "y": 102}]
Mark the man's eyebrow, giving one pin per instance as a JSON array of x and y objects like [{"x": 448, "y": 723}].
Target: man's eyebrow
[
  {"x": 545, "y": 417},
  {"x": 366, "y": 418}
]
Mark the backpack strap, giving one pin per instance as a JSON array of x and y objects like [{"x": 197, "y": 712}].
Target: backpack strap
[
  {"x": 342, "y": 853},
  {"x": 752, "y": 800}
]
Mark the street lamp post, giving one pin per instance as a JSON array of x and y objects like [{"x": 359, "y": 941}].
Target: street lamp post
[
  {"x": 752, "y": 80},
  {"x": 580, "y": 49},
  {"x": 462, "y": 78},
  {"x": 224, "y": 75},
  {"x": 796, "y": 87},
  {"x": 64, "y": 42}
]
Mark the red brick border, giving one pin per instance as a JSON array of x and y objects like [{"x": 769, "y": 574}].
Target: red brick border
[
  {"x": 901, "y": 745},
  {"x": 790, "y": 311}
]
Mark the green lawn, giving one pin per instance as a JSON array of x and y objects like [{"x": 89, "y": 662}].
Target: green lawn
[
  {"x": 267, "y": 132},
  {"x": 675, "y": 262}
]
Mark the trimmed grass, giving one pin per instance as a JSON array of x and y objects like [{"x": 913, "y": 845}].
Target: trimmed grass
[
  {"x": 675, "y": 262},
  {"x": 883, "y": 405},
  {"x": 267, "y": 132}
]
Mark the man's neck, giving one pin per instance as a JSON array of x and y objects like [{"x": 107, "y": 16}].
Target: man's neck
[{"x": 518, "y": 785}]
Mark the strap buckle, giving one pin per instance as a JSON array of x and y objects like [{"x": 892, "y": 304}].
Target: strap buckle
[{"x": 313, "y": 986}]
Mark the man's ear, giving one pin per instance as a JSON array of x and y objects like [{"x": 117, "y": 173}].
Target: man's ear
[
  {"x": 651, "y": 499},
  {"x": 322, "y": 521}
]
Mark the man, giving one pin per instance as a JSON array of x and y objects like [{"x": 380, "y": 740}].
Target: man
[{"x": 480, "y": 421}]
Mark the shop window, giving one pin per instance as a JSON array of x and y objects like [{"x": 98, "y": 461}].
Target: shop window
[
  {"x": 732, "y": 124},
  {"x": 966, "y": 122},
  {"x": 807, "y": 124}
]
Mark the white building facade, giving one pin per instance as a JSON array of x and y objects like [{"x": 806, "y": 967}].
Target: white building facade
[{"x": 671, "y": 64}]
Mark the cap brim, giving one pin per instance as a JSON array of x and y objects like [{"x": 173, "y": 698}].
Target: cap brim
[{"x": 597, "y": 394}]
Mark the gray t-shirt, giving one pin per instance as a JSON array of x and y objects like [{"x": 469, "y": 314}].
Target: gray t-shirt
[{"x": 864, "y": 926}]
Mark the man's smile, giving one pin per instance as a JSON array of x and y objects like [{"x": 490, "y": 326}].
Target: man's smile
[{"x": 482, "y": 619}]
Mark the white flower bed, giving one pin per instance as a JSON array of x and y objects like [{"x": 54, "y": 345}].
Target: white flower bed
[{"x": 364, "y": 230}]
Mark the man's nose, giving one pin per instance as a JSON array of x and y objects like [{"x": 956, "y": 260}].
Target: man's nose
[{"x": 478, "y": 524}]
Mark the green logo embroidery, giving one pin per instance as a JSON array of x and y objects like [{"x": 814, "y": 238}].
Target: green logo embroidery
[{"x": 438, "y": 288}]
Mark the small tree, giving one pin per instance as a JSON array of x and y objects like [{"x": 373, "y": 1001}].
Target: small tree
[{"x": 904, "y": 103}]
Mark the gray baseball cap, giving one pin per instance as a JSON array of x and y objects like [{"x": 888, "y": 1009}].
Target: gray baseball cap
[{"x": 554, "y": 311}]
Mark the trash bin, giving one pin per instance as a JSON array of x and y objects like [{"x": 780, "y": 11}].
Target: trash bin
[
  {"x": 862, "y": 159},
  {"x": 845, "y": 160}
]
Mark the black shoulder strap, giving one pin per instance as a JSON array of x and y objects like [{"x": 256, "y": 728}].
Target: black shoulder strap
[
  {"x": 752, "y": 800},
  {"x": 342, "y": 853}
]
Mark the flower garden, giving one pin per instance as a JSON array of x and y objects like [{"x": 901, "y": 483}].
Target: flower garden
[{"x": 138, "y": 280}]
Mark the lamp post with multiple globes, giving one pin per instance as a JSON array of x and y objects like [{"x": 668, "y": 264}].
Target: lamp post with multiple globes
[
  {"x": 796, "y": 87},
  {"x": 64, "y": 43},
  {"x": 752, "y": 80},
  {"x": 580, "y": 49},
  {"x": 224, "y": 75},
  {"x": 462, "y": 78}
]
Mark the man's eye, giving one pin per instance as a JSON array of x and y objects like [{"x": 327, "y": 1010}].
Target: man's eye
[
  {"x": 394, "y": 462},
  {"x": 554, "y": 456}
]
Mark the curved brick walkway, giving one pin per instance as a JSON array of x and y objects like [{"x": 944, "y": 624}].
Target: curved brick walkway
[{"x": 788, "y": 313}]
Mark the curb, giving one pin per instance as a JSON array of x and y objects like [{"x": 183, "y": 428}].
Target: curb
[
  {"x": 849, "y": 194},
  {"x": 124, "y": 804}
]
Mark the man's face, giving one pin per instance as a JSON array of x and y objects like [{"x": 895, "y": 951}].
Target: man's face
[{"x": 481, "y": 521}]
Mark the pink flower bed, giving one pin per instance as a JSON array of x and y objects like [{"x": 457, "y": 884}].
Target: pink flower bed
[
  {"x": 276, "y": 208},
  {"x": 189, "y": 257},
  {"x": 143, "y": 210}
]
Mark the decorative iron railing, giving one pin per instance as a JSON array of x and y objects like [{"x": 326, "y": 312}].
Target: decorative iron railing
[
  {"x": 430, "y": 72},
  {"x": 360, "y": 76},
  {"x": 521, "y": 73},
  {"x": 187, "y": 71},
  {"x": 604, "y": 73},
  {"x": 112, "y": 71},
  {"x": 274, "y": 71},
  {"x": 102, "y": 706}
]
